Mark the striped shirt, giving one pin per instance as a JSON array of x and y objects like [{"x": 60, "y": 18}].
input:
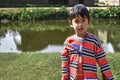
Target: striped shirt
[{"x": 91, "y": 51}]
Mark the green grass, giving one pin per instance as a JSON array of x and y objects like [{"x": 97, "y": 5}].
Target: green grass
[
  {"x": 41, "y": 66},
  {"x": 30, "y": 66}
]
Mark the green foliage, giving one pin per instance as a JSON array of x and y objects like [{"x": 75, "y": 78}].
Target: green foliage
[
  {"x": 35, "y": 14},
  {"x": 62, "y": 13},
  {"x": 42, "y": 14},
  {"x": 96, "y": 13},
  {"x": 26, "y": 15},
  {"x": 111, "y": 12}
]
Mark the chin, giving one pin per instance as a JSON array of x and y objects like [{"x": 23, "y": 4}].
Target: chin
[{"x": 81, "y": 32}]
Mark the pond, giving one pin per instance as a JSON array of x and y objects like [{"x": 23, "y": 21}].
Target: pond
[{"x": 49, "y": 36}]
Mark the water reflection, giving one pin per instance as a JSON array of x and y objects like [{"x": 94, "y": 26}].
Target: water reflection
[
  {"x": 9, "y": 41},
  {"x": 107, "y": 46},
  {"x": 39, "y": 40},
  {"x": 48, "y": 36},
  {"x": 52, "y": 48}
]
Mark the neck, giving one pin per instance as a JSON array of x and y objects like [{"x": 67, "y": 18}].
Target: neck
[{"x": 81, "y": 35}]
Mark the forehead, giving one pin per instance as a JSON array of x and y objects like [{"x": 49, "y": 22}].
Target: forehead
[{"x": 78, "y": 17}]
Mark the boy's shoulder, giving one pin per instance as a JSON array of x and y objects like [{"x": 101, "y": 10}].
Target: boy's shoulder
[
  {"x": 93, "y": 38},
  {"x": 89, "y": 35},
  {"x": 70, "y": 39}
]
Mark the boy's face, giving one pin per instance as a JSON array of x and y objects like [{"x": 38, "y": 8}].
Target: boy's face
[{"x": 80, "y": 25}]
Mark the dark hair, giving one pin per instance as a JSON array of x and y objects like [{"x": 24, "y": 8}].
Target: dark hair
[{"x": 77, "y": 10}]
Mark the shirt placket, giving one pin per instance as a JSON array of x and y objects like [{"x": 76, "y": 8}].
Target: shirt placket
[{"x": 80, "y": 70}]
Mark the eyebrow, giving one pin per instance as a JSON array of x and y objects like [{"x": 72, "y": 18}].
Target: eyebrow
[{"x": 82, "y": 18}]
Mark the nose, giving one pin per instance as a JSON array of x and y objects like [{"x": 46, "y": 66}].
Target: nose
[{"x": 80, "y": 24}]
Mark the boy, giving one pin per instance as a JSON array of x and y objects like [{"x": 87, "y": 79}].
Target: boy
[{"x": 83, "y": 50}]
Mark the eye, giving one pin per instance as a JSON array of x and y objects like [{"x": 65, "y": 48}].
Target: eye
[
  {"x": 84, "y": 21},
  {"x": 76, "y": 21}
]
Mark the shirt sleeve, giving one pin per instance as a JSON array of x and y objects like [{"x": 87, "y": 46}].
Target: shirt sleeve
[
  {"x": 65, "y": 64},
  {"x": 103, "y": 63}
]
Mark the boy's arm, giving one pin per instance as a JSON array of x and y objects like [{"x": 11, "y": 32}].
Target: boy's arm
[
  {"x": 103, "y": 63},
  {"x": 65, "y": 64}
]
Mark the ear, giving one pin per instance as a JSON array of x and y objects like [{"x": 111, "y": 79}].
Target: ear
[
  {"x": 71, "y": 25},
  {"x": 89, "y": 22}
]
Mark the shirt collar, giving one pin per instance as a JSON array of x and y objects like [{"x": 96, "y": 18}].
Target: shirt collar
[{"x": 80, "y": 38}]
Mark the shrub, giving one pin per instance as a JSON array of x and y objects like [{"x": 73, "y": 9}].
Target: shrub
[
  {"x": 62, "y": 13},
  {"x": 111, "y": 12}
]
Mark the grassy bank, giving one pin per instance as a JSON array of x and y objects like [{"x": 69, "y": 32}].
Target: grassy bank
[
  {"x": 54, "y": 13},
  {"x": 41, "y": 66}
]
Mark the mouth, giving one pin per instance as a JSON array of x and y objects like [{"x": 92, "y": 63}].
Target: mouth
[{"x": 80, "y": 29}]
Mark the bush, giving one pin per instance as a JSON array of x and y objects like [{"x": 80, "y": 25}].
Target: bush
[
  {"x": 62, "y": 13},
  {"x": 111, "y": 12},
  {"x": 42, "y": 14}
]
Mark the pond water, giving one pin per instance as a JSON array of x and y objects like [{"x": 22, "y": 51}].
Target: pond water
[{"x": 49, "y": 36}]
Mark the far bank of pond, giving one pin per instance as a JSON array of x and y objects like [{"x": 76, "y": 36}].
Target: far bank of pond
[
  {"x": 49, "y": 36},
  {"x": 53, "y": 13}
]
